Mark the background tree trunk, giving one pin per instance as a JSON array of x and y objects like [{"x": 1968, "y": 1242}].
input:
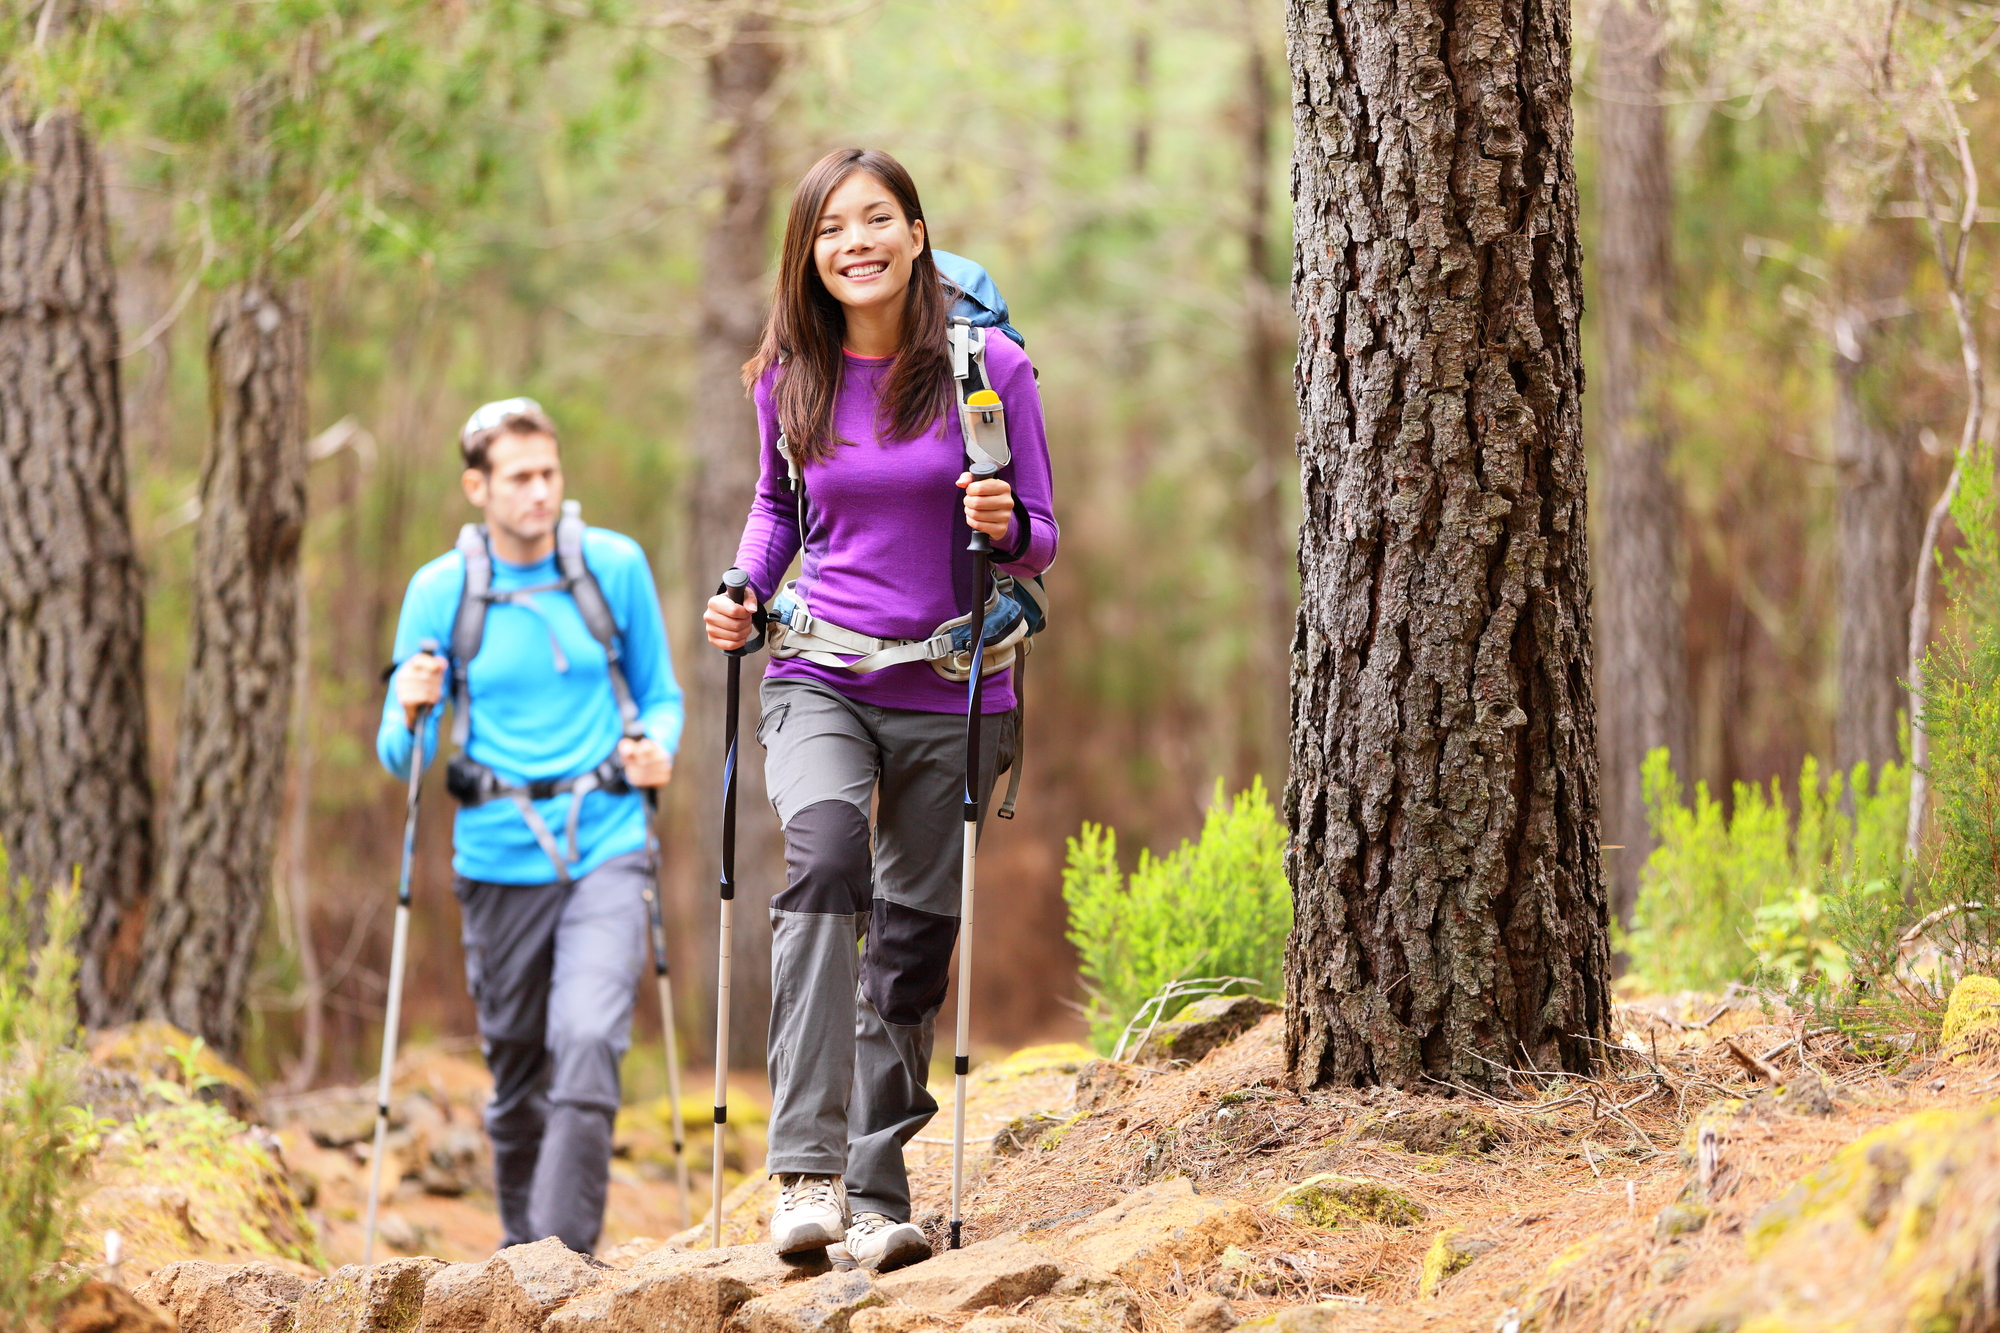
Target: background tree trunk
[
  {"x": 1641, "y": 649},
  {"x": 1880, "y": 521},
  {"x": 1270, "y": 542},
  {"x": 742, "y": 77},
  {"x": 229, "y": 761},
  {"x": 1443, "y": 798},
  {"x": 74, "y": 786}
]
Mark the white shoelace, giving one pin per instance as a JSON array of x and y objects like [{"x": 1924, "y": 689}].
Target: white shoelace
[
  {"x": 808, "y": 1192},
  {"x": 870, "y": 1223}
]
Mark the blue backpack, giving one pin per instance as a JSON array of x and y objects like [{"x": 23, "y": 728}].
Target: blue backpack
[{"x": 979, "y": 301}]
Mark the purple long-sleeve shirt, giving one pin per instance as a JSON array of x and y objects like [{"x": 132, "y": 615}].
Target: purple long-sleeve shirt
[{"x": 886, "y": 555}]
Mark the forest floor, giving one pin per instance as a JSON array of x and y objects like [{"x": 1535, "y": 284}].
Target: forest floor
[{"x": 1713, "y": 1177}]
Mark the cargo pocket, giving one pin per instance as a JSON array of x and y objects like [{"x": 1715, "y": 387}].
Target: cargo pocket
[{"x": 772, "y": 722}]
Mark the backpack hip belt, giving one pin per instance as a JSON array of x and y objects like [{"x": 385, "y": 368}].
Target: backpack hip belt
[
  {"x": 473, "y": 784},
  {"x": 1014, "y": 611}
]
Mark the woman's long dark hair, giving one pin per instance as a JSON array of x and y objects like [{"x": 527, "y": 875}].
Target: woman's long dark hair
[{"x": 806, "y": 325}]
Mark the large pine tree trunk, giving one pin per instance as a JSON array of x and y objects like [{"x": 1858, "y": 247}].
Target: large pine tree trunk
[
  {"x": 229, "y": 760},
  {"x": 75, "y": 793},
  {"x": 1879, "y": 522},
  {"x": 723, "y": 437},
  {"x": 1443, "y": 798},
  {"x": 1641, "y": 649}
]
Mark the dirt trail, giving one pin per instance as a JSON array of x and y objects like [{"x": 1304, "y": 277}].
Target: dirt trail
[{"x": 1665, "y": 1193}]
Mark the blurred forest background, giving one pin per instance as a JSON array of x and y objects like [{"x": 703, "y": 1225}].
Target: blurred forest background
[{"x": 592, "y": 221}]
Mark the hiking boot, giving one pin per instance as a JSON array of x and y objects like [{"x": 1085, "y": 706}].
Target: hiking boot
[
  {"x": 811, "y": 1213},
  {"x": 882, "y": 1243}
]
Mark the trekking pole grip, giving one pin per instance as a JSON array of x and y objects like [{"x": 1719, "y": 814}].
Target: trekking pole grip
[
  {"x": 737, "y": 585},
  {"x": 981, "y": 544}
]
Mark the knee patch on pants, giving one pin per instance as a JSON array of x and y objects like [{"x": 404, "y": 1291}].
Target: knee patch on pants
[
  {"x": 907, "y": 962},
  {"x": 829, "y": 861}
]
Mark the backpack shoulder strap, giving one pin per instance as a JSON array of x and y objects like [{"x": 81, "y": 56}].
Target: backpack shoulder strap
[
  {"x": 468, "y": 627},
  {"x": 795, "y": 482},
  {"x": 584, "y": 589},
  {"x": 968, "y": 357}
]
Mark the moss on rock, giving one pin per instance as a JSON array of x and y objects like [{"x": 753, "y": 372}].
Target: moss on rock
[
  {"x": 1452, "y": 1251},
  {"x": 1434, "y": 1129},
  {"x": 1332, "y": 1201},
  {"x": 1972, "y": 1018},
  {"x": 1896, "y": 1230}
]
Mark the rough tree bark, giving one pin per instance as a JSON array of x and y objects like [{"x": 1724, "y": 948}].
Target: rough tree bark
[
  {"x": 1443, "y": 799},
  {"x": 75, "y": 791},
  {"x": 742, "y": 75},
  {"x": 229, "y": 760},
  {"x": 1879, "y": 524},
  {"x": 1641, "y": 649}
]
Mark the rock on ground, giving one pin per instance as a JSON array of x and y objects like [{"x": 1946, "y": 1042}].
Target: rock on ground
[
  {"x": 1331, "y": 1201},
  {"x": 891, "y": 1319},
  {"x": 226, "y": 1298},
  {"x": 1002, "y": 1271},
  {"x": 825, "y": 1304},
  {"x": 1323, "y": 1318},
  {"x": 105, "y": 1307},
  {"x": 388, "y": 1298},
  {"x": 1208, "y": 1314},
  {"x": 1452, "y": 1251},
  {"x": 1141, "y": 1237},
  {"x": 513, "y": 1292},
  {"x": 682, "y": 1291},
  {"x": 1201, "y": 1027},
  {"x": 1972, "y": 1018},
  {"x": 1929, "y": 1182}
]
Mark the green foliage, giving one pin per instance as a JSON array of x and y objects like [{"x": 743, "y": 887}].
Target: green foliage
[
  {"x": 1761, "y": 890},
  {"x": 1962, "y": 714},
  {"x": 43, "y": 1136},
  {"x": 380, "y": 121},
  {"x": 1217, "y": 906}
]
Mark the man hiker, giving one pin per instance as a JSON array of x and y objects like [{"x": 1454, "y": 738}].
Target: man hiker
[{"x": 564, "y": 705}]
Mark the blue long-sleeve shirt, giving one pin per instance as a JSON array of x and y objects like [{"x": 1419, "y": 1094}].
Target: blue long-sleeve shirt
[{"x": 531, "y": 722}]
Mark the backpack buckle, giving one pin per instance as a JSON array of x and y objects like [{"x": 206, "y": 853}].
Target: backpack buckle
[{"x": 938, "y": 647}]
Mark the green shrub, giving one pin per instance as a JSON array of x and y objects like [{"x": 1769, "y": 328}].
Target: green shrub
[
  {"x": 43, "y": 1135},
  {"x": 1219, "y": 906},
  {"x": 1961, "y": 890},
  {"x": 1764, "y": 891}
]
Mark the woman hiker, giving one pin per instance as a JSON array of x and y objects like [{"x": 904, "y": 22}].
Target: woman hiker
[{"x": 854, "y": 373}]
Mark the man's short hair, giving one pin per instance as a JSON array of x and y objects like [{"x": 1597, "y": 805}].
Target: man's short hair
[{"x": 509, "y": 416}]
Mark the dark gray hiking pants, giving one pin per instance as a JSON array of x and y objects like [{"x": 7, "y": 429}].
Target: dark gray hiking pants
[
  {"x": 553, "y": 971},
  {"x": 852, "y": 1029}
]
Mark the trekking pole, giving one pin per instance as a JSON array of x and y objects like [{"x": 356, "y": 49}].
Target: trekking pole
[
  {"x": 961, "y": 1064},
  {"x": 735, "y": 581},
  {"x": 398, "y": 952},
  {"x": 660, "y": 979}
]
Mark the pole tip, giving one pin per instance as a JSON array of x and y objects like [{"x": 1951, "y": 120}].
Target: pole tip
[{"x": 957, "y": 1234}]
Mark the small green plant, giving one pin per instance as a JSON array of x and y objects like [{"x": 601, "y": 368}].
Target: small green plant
[
  {"x": 1217, "y": 906},
  {"x": 1792, "y": 941},
  {"x": 44, "y": 1136},
  {"x": 1765, "y": 892},
  {"x": 1960, "y": 892}
]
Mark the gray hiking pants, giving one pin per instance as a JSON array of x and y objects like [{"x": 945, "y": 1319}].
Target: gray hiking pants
[
  {"x": 553, "y": 971},
  {"x": 852, "y": 1029}
]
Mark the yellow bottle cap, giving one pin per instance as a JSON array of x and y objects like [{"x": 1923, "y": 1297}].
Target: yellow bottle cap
[{"x": 984, "y": 398}]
